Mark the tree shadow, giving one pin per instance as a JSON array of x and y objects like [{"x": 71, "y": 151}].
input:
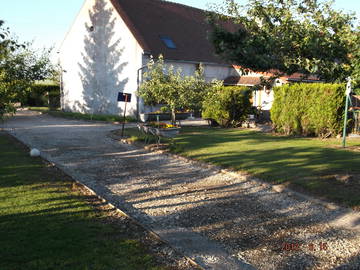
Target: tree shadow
[
  {"x": 101, "y": 67},
  {"x": 244, "y": 218},
  {"x": 248, "y": 219},
  {"x": 302, "y": 163},
  {"x": 46, "y": 223}
]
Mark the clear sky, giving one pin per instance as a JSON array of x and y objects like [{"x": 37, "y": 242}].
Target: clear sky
[{"x": 47, "y": 21}]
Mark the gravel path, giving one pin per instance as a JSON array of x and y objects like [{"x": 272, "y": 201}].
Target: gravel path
[{"x": 221, "y": 220}]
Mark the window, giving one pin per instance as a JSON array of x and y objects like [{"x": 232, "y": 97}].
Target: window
[{"x": 168, "y": 42}]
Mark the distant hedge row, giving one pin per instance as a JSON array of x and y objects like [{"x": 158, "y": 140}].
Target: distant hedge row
[
  {"x": 308, "y": 109},
  {"x": 43, "y": 95}
]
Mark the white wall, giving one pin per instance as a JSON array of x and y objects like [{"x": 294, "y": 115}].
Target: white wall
[
  {"x": 97, "y": 71},
  {"x": 263, "y": 99},
  {"x": 219, "y": 72},
  {"x": 101, "y": 62},
  {"x": 211, "y": 71}
]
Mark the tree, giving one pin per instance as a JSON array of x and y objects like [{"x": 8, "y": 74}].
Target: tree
[
  {"x": 167, "y": 86},
  {"x": 355, "y": 61},
  {"x": 20, "y": 66},
  {"x": 306, "y": 36}
]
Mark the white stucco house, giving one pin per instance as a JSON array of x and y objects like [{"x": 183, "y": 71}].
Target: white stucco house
[{"x": 111, "y": 41}]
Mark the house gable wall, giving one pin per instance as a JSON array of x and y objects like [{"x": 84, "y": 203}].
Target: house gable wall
[{"x": 99, "y": 62}]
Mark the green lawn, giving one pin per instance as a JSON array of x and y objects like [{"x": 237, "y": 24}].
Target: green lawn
[
  {"x": 46, "y": 225},
  {"x": 311, "y": 165},
  {"x": 82, "y": 116}
]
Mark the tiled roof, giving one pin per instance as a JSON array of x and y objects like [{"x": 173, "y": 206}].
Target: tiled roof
[
  {"x": 300, "y": 77},
  {"x": 244, "y": 80},
  {"x": 185, "y": 26}
]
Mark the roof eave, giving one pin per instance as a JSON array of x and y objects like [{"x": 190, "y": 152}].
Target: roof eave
[
  {"x": 130, "y": 25},
  {"x": 147, "y": 53}
]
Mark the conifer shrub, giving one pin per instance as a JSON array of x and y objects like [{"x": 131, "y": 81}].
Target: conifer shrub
[
  {"x": 229, "y": 106},
  {"x": 308, "y": 109}
]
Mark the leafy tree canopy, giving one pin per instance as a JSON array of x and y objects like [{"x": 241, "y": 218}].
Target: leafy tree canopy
[
  {"x": 165, "y": 85},
  {"x": 355, "y": 63},
  {"x": 307, "y": 36},
  {"x": 20, "y": 66}
]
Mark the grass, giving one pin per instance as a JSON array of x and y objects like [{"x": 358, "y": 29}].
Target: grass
[
  {"x": 311, "y": 165},
  {"x": 82, "y": 116},
  {"x": 44, "y": 224}
]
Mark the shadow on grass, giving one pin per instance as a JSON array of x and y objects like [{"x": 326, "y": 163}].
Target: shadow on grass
[
  {"x": 45, "y": 225},
  {"x": 300, "y": 162},
  {"x": 308, "y": 165},
  {"x": 245, "y": 218}
]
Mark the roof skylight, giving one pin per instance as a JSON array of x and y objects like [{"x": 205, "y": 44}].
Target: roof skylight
[{"x": 168, "y": 42}]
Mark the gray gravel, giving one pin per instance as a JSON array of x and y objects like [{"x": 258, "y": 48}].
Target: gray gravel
[{"x": 221, "y": 220}]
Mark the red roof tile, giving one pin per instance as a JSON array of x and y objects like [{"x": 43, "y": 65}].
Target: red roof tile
[
  {"x": 295, "y": 77},
  {"x": 186, "y": 26},
  {"x": 244, "y": 80}
]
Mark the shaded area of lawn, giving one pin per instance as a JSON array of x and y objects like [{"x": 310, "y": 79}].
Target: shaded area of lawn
[
  {"x": 82, "y": 116},
  {"x": 46, "y": 225},
  {"x": 316, "y": 166}
]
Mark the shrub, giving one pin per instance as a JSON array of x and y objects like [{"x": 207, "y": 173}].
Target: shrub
[
  {"x": 54, "y": 99},
  {"x": 227, "y": 105},
  {"x": 308, "y": 109},
  {"x": 43, "y": 95}
]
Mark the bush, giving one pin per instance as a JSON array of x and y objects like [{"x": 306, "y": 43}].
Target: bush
[
  {"x": 43, "y": 95},
  {"x": 308, "y": 109},
  {"x": 229, "y": 106},
  {"x": 54, "y": 99}
]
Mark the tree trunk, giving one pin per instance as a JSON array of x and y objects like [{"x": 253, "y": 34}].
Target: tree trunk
[{"x": 173, "y": 116}]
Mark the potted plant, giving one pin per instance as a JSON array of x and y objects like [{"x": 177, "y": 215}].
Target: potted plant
[{"x": 167, "y": 130}]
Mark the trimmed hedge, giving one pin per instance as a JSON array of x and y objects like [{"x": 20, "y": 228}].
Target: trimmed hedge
[
  {"x": 229, "y": 106},
  {"x": 43, "y": 95},
  {"x": 308, "y": 109}
]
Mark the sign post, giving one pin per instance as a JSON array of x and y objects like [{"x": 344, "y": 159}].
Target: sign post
[
  {"x": 348, "y": 93},
  {"x": 124, "y": 97}
]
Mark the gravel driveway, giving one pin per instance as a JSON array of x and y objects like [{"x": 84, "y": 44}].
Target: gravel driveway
[{"x": 221, "y": 220}]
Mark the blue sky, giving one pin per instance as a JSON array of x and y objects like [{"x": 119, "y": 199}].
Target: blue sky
[{"x": 47, "y": 21}]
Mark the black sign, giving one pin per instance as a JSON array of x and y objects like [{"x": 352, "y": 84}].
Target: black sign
[{"x": 124, "y": 97}]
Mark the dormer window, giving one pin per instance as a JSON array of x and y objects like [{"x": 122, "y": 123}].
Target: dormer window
[{"x": 168, "y": 42}]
